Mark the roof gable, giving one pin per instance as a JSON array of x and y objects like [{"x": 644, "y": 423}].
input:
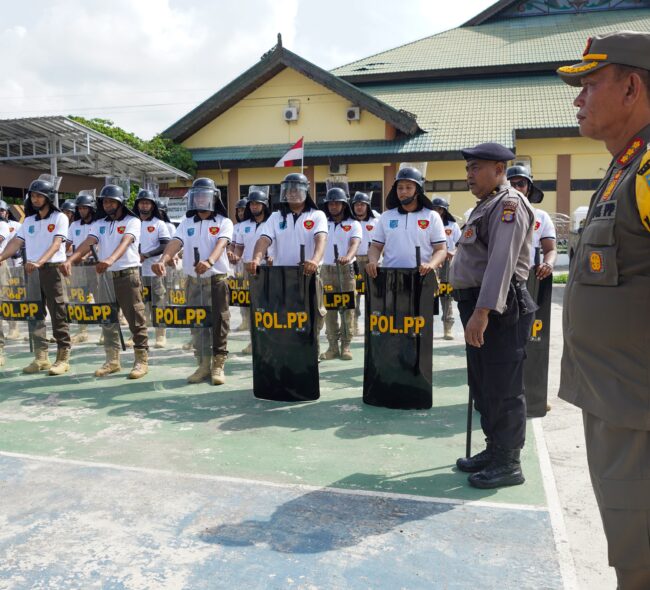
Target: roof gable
[{"x": 269, "y": 66}]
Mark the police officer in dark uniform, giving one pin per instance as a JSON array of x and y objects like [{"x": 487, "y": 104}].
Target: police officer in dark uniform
[
  {"x": 488, "y": 275},
  {"x": 606, "y": 313}
]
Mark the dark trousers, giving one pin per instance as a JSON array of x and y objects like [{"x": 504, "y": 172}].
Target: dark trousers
[
  {"x": 52, "y": 291},
  {"x": 212, "y": 291},
  {"x": 495, "y": 375},
  {"x": 128, "y": 295}
]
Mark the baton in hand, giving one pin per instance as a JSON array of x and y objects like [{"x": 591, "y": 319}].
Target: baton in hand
[
  {"x": 344, "y": 328},
  {"x": 30, "y": 325}
]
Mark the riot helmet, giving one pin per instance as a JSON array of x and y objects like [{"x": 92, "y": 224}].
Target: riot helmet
[
  {"x": 413, "y": 175},
  {"x": 163, "y": 205},
  {"x": 441, "y": 203},
  {"x": 534, "y": 193},
  {"x": 8, "y": 215},
  {"x": 241, "y": 204},
  {"x": 366, "y": 199},
  {"x": 294, "y": 189},
  {"x": 147, "y": 195},
  {"x": 46, "y": 185},
  {"x": 85, "y": 198},
  {"x": 257, "y": 194},
  {"x": 204, "y": 196},
  {"x": 337, "y": 195},
  {"x": 116, "y": 193},
  {"x": 68, "y": 206}
]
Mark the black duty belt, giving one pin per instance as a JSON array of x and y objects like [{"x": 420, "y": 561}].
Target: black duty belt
[
  {"x": 205, "y": 280},
  {"x": 474, "y": 292},
  {"x": 125, "y": 272},
  {"x": 51, "y": 264}
]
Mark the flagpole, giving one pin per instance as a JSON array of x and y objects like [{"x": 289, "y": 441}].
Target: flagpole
[{"x": 302, "y": 158}]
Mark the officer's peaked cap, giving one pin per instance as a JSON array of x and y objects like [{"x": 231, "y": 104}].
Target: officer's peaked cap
[{"x": 494, "y": 152}]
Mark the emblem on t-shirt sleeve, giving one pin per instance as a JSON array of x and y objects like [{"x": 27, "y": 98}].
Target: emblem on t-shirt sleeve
[
  {"x": 538, "y": 224},
  {"x": 308, "y": 224},
  {"x": 121, "y": 229},
  {"x": 50, "y": 227},
  {"x": 214, "y": 230},
  {"x": 423, "y": 223}
]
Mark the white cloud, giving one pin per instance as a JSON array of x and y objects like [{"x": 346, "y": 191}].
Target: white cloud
[{"x": 145, "y": 63}]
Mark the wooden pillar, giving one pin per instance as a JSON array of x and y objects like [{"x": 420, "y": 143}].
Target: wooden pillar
[
  {"x": 233, "y": 192},
  {"x": 563, "y": 184},
  {"x": 390, "y": 171}
]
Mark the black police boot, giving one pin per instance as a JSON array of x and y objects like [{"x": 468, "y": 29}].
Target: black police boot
[
  {"x": 503, "y": 470},
  {"x": 476, "y": 462}
]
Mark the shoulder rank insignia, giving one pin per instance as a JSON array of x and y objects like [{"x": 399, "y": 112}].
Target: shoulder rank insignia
[
  {"x": 609, "y": 189},
  {"x": 632, "y": 149}
]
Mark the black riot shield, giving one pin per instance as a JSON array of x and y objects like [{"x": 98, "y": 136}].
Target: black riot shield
[
  {"x": 90, "y": 297},
  {"x": 20, "y": 295},
  {"x": 537, "y": 349},
  {"x": 239, "y": 286},
  {"x": 397, "y": 370},
  {"x": 284, "y": 333}
]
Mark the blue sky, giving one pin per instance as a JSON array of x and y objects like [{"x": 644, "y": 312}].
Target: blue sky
[{"x": 145, "y": 63}]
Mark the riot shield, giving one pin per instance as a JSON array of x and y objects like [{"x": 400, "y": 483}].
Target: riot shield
[
  {"x": 537, "y": 349},
  {"x": 91, "y": 297},
  {"x": 397, "y": 371},
  {"x": 284, "y": 334},
  {"x": 181, "y": 302},
  {"x": 20, "y": 295},
  {"x": 239, "y": 291}
]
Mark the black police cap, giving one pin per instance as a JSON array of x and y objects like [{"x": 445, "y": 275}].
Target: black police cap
[{"x": 488, "y": 151}]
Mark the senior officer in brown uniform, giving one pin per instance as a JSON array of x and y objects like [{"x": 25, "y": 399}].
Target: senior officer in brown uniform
[
  {"x": 488, "y": 274},
  {"x": 606, "y": 360}
]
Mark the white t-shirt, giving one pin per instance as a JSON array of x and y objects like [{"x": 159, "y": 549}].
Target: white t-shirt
[
  {"x": 4, "y": 235},
  {"x": 367, "y": 232},
  {"x": 14, "y": 226},
  {"x": 401, "y": 233},
  {"x": 543, "y": 229},
  {"x": 339, "y": 235},
  {"x": 171, "y": 228},
  {"x": 194, "y": 232},
  {"x": 151, "y": 232},
  {"x": 249, "y": 233},
  {"x": 38, "y": 235},
  {"x": 78, "y": 232},
  {"x": 452, "y": 233},
  {"x": 109, "y": 234},
  {"x": 290, "y": 232}
]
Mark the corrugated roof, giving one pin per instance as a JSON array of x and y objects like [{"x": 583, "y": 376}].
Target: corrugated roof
[
  {"x": 522, "y": 41},
  {"x": 455, "y": 115}
]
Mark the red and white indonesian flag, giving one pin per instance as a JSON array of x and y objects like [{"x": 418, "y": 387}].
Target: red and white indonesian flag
[{"x": 293, "y": 157}]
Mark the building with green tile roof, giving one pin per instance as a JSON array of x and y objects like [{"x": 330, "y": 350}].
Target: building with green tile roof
[{"x": 492, "y": 79}]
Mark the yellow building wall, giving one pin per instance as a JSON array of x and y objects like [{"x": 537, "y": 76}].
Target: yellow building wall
[{"x": 257, "y": 118}]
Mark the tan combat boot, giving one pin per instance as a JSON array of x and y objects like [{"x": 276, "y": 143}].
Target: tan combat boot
[
  {"x": 331, "y": 353},
  {"x": 14, "y": 333},
  {"x": 40, "y": 363},
  {"x": 62, "y": 363},
  {"x": 140, "y": 364},
  {"x": 217, "y": 372},
  {"x": 3, "y": 360},
  {"x": 188, "y": 345},
  {"x": 448, "y": 335},
  {"x": 202, "y": 371},
  {"x": 111, "y": 364},
  {"x": 161, "y": 338},
  {"x": 81, "y": 336},
  {"x": 346, "y": 354}
]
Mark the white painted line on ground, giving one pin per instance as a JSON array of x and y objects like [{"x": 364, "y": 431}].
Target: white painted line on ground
[
  {"x": 292, "y": 486},
  {"x": 565, "y": 558}
]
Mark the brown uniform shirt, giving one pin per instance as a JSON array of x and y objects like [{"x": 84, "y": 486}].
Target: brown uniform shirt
[
  {"x": 495, "y": 245},
  {"x": 606, "y": 358}
]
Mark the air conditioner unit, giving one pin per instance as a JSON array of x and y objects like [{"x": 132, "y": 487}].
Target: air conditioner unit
[
  {"x": 353, "y": 114},
  {"x": 338, "y": 168},
  {"x": 290, "y": 113}
]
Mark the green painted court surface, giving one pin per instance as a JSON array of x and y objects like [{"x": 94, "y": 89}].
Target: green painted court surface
[
  {"x": 162, "y": 422},
  {"x": 117, "y": 484}
]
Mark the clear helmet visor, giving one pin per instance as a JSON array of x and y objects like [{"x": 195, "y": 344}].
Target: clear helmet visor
[
  {"x": 293, "y": 192},
  {"x": 201, "y": 199}
]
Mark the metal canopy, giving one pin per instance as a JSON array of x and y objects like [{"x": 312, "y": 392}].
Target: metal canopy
[{"x": 63, "y": 146}]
